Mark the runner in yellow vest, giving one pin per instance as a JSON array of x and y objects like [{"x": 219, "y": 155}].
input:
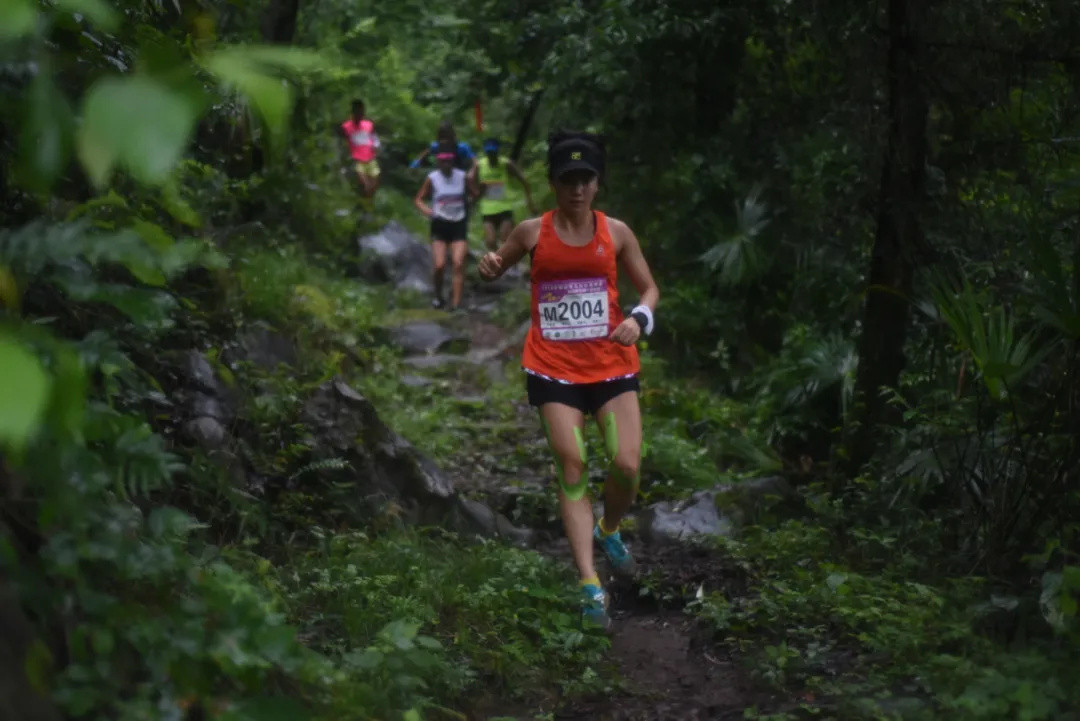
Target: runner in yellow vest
[{"x": 496, "y": 205}]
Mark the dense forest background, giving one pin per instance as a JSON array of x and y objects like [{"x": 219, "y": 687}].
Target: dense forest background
[{"x": 865, "y": 223}]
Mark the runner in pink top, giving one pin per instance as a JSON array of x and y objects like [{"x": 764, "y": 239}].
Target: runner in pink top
[{"x": 359, "y": 131}]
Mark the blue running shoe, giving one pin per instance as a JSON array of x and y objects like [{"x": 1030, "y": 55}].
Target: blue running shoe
[
  {"x": 622, "y": 563},
  {"x": 594, "y": 605}
]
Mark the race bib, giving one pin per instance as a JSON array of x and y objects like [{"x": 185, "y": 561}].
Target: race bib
[
  {"x": 360, "y": 138},
  {"x": 452, "y": 208},
  {"x": 573, "y": 309},
  {"x": 495, "y": 191}
]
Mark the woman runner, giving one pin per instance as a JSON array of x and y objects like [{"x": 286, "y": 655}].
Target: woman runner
[
  {"x": 448, "y": 187},
  {"x": 579, "y": 357},
  {"x": 464, "y": 157},
  {"x": 364, "y": 144},
  {"x": 496, "y": 205}
]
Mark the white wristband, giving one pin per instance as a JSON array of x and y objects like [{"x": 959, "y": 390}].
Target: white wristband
[{"x": 649, "y": 325}]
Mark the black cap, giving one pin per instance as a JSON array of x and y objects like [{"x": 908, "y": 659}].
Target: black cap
[{"x": 574, "y": 154}]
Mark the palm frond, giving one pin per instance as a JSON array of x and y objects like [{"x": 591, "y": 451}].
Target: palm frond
[
  {"x": 1003, "y": 354},
  {"x": 741, "y": 258}
]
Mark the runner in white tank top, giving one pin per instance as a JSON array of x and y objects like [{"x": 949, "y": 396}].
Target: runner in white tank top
[
  {"x": 448, "y": 187},
  {"x": 448, "y": 195}
]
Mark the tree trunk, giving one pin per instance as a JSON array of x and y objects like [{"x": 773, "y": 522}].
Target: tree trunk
[
  {"x": 526, "y": 121},
  {"x": 279, "y": 21},
  {"x": 898, "y": 236},
  {"x": 20, "y": 699}
]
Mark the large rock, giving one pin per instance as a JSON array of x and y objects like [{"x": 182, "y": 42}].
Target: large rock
[
  {"x": 475, "y": 517},
  {"x": 437, "y": 361},
  {"x": 205, "y": 403},
  {"x": 202, "y": 404},
  {"x": 385, "y": 468},
  {"x": 715, "y": 512},
  {"x": 264, "y": 347},
  {"x": 422, "y": 337},
  {"x": 383, "y": 465},
  {"x": 748, "y": 500},
  {"x": 198, "y": 373},
  {"x": 206, "y": 432},
  {"x": 669, "y": 521},
  {"x": 394, "y": 255},
  {"x": 486, "y": 360}
]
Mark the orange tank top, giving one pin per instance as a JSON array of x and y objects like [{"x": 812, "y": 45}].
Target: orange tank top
[{"x": 575, "y": 306}]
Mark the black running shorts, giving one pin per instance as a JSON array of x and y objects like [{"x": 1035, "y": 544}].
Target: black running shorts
[
  {"x": 586, "y": 397},
  {"x": 497, "y": 219},
  {"x": 448, "y": 231}
]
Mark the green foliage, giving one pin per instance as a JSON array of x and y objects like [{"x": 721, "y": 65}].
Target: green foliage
[
  {"x": 853, "y": 638},
  {"x": 398, "y": 670},
  {"x": 255, "y": 72},
  {"x": 25, "y": 390},
  {"x": 989, "y": 333},
  {"x": 694, "y": 438},
  {"x": 741, "y": 258},
  {"x": 284, "y": 286},
  {"x": 1057, "y": 295},
  {"x": 753, "y": 183},
  {"x": 489, "y": 614},
  {"x": 133, "y": 598},
  {"x": 111, "y": 134}
]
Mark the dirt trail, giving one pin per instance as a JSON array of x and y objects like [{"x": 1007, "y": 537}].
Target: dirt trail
[
  {"x": 671, "y": 669},
  {"x": 668, "y": 676}
]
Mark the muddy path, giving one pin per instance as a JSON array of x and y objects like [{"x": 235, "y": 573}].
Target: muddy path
[{"x": 670, "y": 665}]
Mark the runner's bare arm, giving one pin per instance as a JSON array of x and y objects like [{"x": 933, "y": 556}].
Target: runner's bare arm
[
  {"x": 633, "y": 261},
  {"x": 418, "y": 201},
  {"x": 521, "y": 240},
  {"x": 628, "y": 250}
]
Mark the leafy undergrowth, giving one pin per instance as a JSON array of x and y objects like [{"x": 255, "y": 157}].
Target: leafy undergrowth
[
  {"x": 859, "y": 640},
  {"x": 433, "y": 621}
]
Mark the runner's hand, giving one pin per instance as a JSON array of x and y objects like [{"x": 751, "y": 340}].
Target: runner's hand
[
  {"x": 490, "y": 266},
  {"x": 626, "y": 333}
]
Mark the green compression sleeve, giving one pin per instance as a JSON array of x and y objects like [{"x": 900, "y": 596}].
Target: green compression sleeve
[{"x": 573, "y": 491}]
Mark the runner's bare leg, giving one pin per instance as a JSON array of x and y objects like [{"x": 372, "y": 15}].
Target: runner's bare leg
[
  {"x": 577, "y": 516},
  {"x": 438, "y": 261},
  {"x": 618, "y": 496},
  {"x": 458, "y": 250}
]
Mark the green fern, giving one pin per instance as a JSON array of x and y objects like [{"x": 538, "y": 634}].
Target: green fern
[
  {"x": 742, "y": 257},
  {"x": 990, "y": 334},
  {"x": 327, "y": 464},
  {"x": 131, "y": 451},
  {"x": 1057, "y": 294},
  {"x": 830, "y": 361}
]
